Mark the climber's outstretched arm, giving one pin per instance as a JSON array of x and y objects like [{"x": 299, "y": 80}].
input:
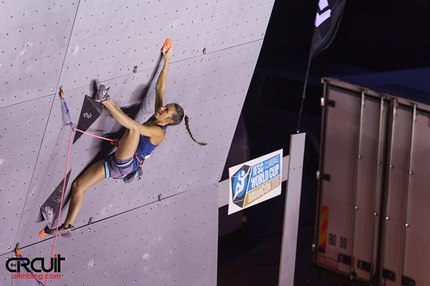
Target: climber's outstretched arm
[{"x": 161, "y": 82}]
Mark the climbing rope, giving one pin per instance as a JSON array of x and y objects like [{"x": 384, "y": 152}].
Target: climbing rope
[
  {"x": 114, "y": 142},
  {"x": 74, "y": 130},
  {"x": 166, "y": 46}
]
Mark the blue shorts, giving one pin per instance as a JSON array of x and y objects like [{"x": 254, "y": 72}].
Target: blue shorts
[{"x": 117, "y": 169}]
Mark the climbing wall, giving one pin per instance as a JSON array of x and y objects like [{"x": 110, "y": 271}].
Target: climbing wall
[{"x": 162, "y": 229}]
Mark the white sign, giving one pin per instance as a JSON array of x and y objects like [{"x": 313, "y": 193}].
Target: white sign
[{"x": 255, "y": 181}]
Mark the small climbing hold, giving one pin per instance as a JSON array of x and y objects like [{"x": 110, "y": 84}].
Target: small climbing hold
[{"x": 42, "y": 234}]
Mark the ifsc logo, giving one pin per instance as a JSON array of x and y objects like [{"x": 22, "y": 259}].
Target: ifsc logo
[{"x": 239, "y": 185}]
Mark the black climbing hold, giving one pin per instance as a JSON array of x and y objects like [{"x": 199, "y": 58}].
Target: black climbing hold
[{"x": 51, "y": 206}]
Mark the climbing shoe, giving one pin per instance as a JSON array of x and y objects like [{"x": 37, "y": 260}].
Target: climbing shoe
[
  {"x": 102, "y": 94},
  {"x": 62, "y": 230}
]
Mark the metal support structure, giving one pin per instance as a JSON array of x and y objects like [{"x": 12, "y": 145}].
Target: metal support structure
[
  {"x": 378, "y": 184},
  {"x": 389, "y": 172},
  {"x": 357, "y": 178},
  {"x": 292, "y": 210},
  {"x": 320, "y": 168},
  {"x": 410, "y": 178}
]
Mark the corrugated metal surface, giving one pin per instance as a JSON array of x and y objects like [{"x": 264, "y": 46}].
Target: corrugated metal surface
[
  {"x": 348, "y": 197},
  {"x": 372, "y": 225}
]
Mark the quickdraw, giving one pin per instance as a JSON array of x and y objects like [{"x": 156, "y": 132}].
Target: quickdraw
[{"x": 18, "y": 254}]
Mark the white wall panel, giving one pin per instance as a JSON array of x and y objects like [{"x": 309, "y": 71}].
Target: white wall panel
[
  {"x": 50, "y": 44},
  {"x": 34, "y": 37},
  {"x": 172, "y": 242},
  {"x": 108, "y": 40},
  {"x": 21, "y": 135}
]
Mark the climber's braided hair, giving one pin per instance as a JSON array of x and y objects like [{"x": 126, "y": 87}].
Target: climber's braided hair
[{"x": 177, "y": 118}]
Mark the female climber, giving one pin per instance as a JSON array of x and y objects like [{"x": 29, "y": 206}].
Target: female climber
[{"x": 138, "y": 141}]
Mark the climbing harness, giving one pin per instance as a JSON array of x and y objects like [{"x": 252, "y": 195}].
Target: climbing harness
[{"x": 136, "y": 174}]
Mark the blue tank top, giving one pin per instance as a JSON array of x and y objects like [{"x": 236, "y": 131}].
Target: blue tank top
[{"x": 145, "y": 146}]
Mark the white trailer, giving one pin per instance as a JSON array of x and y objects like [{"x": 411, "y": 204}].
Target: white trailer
[{"x": 373, "y": 219}]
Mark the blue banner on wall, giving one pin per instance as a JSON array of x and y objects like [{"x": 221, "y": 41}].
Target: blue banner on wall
[{"x": 255, "y": 181}]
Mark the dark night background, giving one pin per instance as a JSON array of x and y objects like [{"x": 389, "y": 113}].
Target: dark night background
[{"x": 374, "y": 36}]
